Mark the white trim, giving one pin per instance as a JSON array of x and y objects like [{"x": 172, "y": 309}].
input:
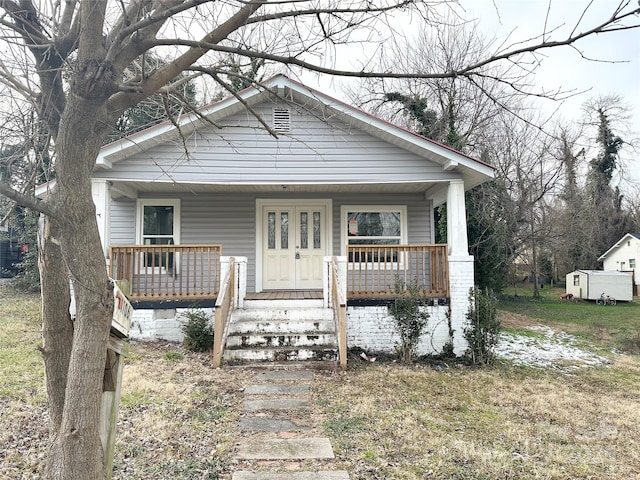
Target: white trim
[
  {"x": 344, "y": 209},
  {"x": 143, "y": 202},
  {"x": 261, "y": 203},
  {"x": 172, "y": 202}
]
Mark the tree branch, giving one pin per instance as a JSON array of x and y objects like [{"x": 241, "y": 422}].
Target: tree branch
[{"x": 30, "y": 202}]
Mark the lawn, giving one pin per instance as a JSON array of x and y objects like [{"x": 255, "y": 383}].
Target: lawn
[
  {"x": 609, "y": 327},
  {"x": 385, "y": 421}
]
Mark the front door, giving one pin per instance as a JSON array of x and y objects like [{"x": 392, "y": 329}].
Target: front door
[{"x": 294, "y": 243}]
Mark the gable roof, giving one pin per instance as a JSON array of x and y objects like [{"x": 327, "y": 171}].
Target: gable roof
[
  {"x": 618, "y": 244},
  {"x": 473, "y": 171}
]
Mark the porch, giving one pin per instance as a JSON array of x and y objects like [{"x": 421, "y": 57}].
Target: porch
[
  {"x": 178, "y": 273},
  {"x": 194, "y": 272}
]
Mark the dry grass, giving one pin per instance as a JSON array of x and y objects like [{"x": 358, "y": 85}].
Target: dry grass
[
  {"x": 178, "y": 416},
  {"x": 394, "y": 422}
]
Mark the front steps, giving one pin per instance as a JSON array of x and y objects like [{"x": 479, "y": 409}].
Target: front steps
[{"x": 281, "y": 330}]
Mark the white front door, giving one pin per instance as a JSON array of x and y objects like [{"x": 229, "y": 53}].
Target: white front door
[{"x": 294, "y": 241}]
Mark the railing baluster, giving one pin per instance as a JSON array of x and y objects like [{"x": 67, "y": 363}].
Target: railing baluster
[
  {"x": 168, "y": 271},
  {"x": 372, "y": 270}
]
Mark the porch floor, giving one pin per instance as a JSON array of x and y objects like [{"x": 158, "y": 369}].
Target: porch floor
[{"x": 285, "y": 295}]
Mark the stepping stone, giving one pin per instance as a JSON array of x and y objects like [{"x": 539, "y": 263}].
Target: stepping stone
[
  {"x": 286, "y": 449},
  {"x": 264, "y": 424},
  {"x": 285, "y": 375},
  {"x": 279, "y": 404},
  {"x": 278, "y": 389},
  {"x": 322, "y": 475}
]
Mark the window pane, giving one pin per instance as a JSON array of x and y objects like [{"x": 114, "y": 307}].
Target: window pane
[
  {"x": 317, "y": 230},
  {"x": 304, "y": 230},
  {"x": 374, "y": 241},
  {"x": 373, "y": 224},
  {"x": 284, "y": 230},
  {"x": 271, "y": 230},
  {"x": 158, "y": 220}
]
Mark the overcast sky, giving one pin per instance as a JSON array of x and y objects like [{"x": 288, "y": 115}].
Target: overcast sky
[
  {"x": 614, "y": 68},
  {"x": 615, "y": 64}
]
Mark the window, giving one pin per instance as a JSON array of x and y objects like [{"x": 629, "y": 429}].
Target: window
[
  {"x": 576, "y": 280},
  {"x": 374, "y": 225},
  {"x": 158, "y": 224},
  {"x": 632, "y": 263}
]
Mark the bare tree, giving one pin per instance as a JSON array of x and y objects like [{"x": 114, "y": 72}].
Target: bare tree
[{"x": 68, "y": 60}]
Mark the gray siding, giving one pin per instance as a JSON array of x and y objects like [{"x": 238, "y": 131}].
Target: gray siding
[
  {"x": 230, "y": 220},
  {"x": 242, "y": 152}
]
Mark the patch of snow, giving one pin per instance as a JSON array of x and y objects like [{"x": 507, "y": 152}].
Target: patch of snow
[{"x": 555, "y": 350}]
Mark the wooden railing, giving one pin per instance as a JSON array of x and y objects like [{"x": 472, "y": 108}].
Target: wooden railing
[
  {"x": 167, "y": 271},
  {"x": 373, "y": 271},
  {"x": 339, "y": 305},
  {"x": 224, "y": 308}
]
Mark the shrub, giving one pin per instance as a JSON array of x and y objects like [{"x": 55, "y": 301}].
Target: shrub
[
  {"x": 483, "y": 327},
  {"x": 410, "y": 319},
  {"x": 198, "y": 331}
]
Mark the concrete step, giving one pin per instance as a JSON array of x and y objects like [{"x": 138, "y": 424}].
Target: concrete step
[
  {"x": 282, "y": 314},
  {"x": 280, "y": 354},
  {"x": 309, "y": 325},
  {"x": 320, "y": 475},
  {"x": 285, "y": 449},
  {"x": 282, "y": 304},
  {"x": 281, "y": 340}
]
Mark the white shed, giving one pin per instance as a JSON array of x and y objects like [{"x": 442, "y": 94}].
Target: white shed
[{"x": 590, "y": 284}]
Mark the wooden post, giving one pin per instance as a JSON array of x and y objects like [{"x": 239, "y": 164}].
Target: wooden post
[{"x": 112, "y": 383}]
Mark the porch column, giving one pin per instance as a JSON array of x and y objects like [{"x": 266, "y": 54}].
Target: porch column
[
  {"x": 457, "y": 219},
  {"x": 102, "y": 201},
  {"x": 461, "y": 277}
]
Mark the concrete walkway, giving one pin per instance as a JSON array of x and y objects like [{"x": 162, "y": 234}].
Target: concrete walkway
[{"x": 277, "y": 432}]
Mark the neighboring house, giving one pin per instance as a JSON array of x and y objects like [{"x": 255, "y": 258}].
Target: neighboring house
[
  {"x": 623, "y": 256},
  {"x": 310, "y": 191}
]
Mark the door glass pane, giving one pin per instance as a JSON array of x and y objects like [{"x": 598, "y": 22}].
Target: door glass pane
[
  {"x": 271, "y": 230},
  {"x": 316, "y": 230},
  {"x": 284, "y": 230},
  {"x": 304, "y": 230}
]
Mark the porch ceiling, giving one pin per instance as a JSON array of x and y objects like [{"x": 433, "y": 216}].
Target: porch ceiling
[{"x": 132, "y": 189}]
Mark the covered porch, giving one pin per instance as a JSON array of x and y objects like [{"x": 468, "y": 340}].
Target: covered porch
[{"x": 194, "y": 272}]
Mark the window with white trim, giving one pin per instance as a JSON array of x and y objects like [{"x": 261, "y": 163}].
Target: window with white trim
[
  {"x": 374, "y": 225},
  {"x": 632, "y": 263},
  {"x": 158, "y": 224}
]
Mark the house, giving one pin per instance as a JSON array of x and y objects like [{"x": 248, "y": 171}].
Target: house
[
  {"x": 623, "y": 256},
  {"x": 591, "y": 284},
  {"x": 283, "y": 203}
]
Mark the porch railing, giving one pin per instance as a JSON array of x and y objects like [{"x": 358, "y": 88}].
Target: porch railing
[
  {"x": 374, "y": 270},
  {"x": 224, "y": 308},
  {"x": 167, "y": 271}
]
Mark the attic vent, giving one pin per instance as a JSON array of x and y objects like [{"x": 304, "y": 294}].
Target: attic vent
[{"x": 281, "y": 120}]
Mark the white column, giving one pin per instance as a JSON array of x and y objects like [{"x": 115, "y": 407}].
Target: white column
[
  {"x": 457, "y": 220},
  {"x": 461, "y": 277},
  {"x": 102, "y": 201}
]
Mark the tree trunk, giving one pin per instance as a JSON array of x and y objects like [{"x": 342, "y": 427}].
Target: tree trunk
[
  {"x": 76, "y": 452},
  {"x": 57, "y": 327}
]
